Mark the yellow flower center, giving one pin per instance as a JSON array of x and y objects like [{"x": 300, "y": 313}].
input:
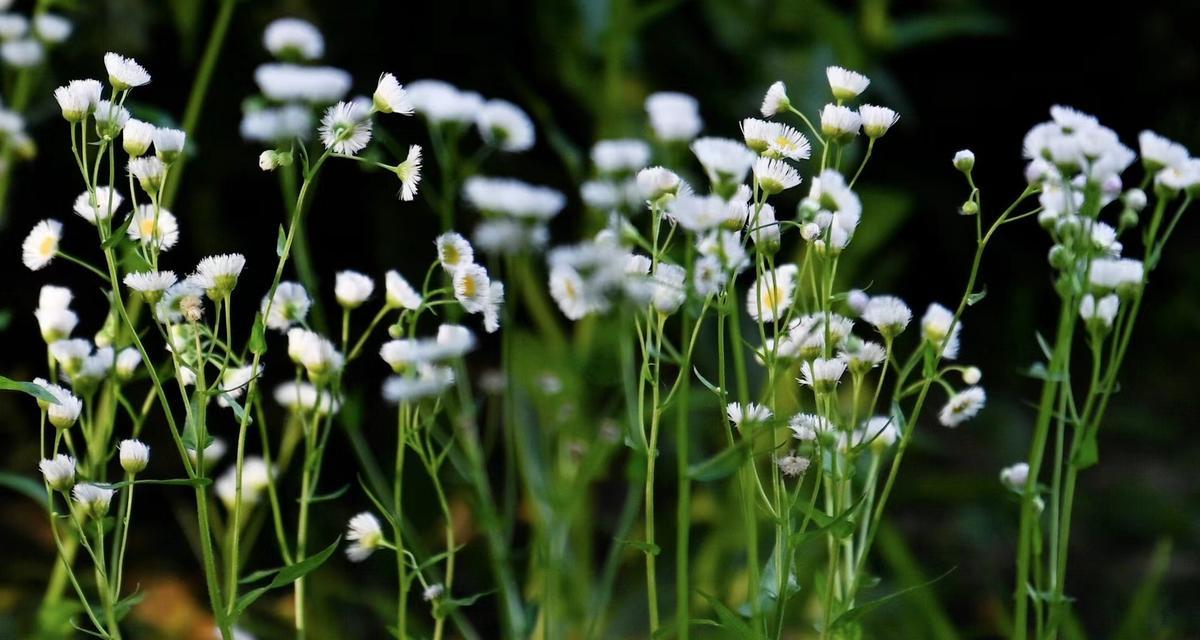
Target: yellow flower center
[{"x": 49, "y": 246}]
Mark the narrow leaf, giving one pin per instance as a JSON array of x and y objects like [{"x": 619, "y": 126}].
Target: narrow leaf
[{"x": 35, "y": 390}]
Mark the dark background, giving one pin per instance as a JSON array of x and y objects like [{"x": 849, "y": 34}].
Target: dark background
[{"x": 962, "y": 74}]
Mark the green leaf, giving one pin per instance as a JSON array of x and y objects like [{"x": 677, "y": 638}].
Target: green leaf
[
  {"x": 172, "y": 482},
  {"x": 280, "y": 242},
  {"x": 118, "y": 234},
  {"x": 841, "y": 526},
  {"x": 645, "y": 547},
  {"x": 1088, "y": 453},
  {"x": 976, "y": 297},
  {"x": 126, "y": 604},
  {"x": 1039, "y": 371},
  {"x": 239, "y": 411},
  {"x": 444, "y": 606},
  {"x": 729, "y": 620},
  {"x": 721, "y": 465},
  {"x": 384, "y": 511},
  {"x": 258, "y": 575},
  {"x": 710, "y": 386},
  {"x": 25, "y": 486},
  {"x": 189, "y": 435},
  {"x": 35, "y": 390},
  {"x": 288, "y": 575},
  {"x": 258, "y": 336},
  {"x": 853, "y": 615},
  {"x": 332, "y": 495},
  {"x": 1045, "y": 346}
]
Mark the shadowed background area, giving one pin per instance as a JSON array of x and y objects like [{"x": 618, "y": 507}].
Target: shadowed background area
[{"x": 962, "y": 74}]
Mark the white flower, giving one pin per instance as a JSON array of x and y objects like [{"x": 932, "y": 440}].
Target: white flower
[
  {"x": 775, "y": 100},
  {"x": 569, "y": 292},
  {"x": 504, "y": 125},
  {"x": 505, "y": 236},
  {"x": 400, "y": 293},
  {"x": 655, "y": 182},
  {"x": 67, "y": 406},
  {"x": 429, "y": 381},
  {"x": 1159, "y": 152},
  {"x": 110, "y": 118},
  {"x": 51, "y": 27},
  {"x": 390, "y": 96},
  {"x": 409, "y": 173},
  {"x": 149, "y": 172},
  {"x": 108, "y": 200},
  {"x": 1120, "y": 274},
  {"x": 771, "y": 296},
  {"x": 747, "y": 415},
  {"x": 670, "y": 287},
  {"x": 168, "y": 143},
  {"x": 964, "y": 160},
  {"x": 845, "y": 83},
  {"x": 1179, "y": 177},
  {"x": 1015, "y": 476},
  {"x": 365, "y": 535},
  {"x": 441, "y": 102},
  {"x": 70, "y": 354},
  {"x": 764, "y": 229},
  {"x": 505, "y": 196},
  {"x": 127, "y": 362},
  {"x": 150, "y": 284},
  {"x": 675, "y": 117},
  {"x": 218, "y": 275},
  {"x": 58, "y": 472},
  {"x": 406, "y": 353},
  {"x": 775, "y": 139},
  {"x": 288, "y": 306},
  {"x": 314, "y": 352},
  {"x": 792, "y": 465},
  {"x": 55, "y": 320},
  {"x": 92, "y": 499},
  {"x": 22, "y": 54},
  {"x": 773, "y": 176},
  {"x": 41, "y": 245},
  {"x": 293, "y": 39},
  {"x": 181, "y": 301},
  {"x": 256, "y": 476},
  {"x": 352, "y": 288},
  {"x": 305, "y": 397},
  {"x": 277, "y": 125},
  {"x": 725, "y": 160},
  {"x": 234, "y": 381},
  {"x": 135, "y": 455},
  {"x": 888, "y": 314},
  {"x": 822, "y": 374},
  {"x": 295, "y": 83},
  {"x": 620, "y": 156},
  {"x": 1101, "y": 312},
  {"x": 78, "y": 98},
  {"x": 124, "y": 73},
  {"x": 154, "y": 228},
  {"x": 471, "y": 284},
  {"x": 454, "y": 251},
  {"x": 212, "y": 453},
  {"x": 455, "y": 340},
  {"x": 839, "y": 122},
  {"x": 708, "y": 277},
  {"x": 865, "y": 357},
  {"x": 346, "y": 128},
  {"x": 699, "y": 213},
  {"x": 935, "y": 328},
  {"x": 433, "y": 592},
  {"x": 880, "y": 432},
  {"x": 877, "y": 120},
  {"x": 807, "y": 426},
  {"x": 962, "y": 406},
  {"x": 12, "y": 25}
]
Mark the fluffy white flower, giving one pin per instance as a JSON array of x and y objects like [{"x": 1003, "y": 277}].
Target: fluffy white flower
[
  {"x": 135, "y": 455},
  {"x": 1015, "y": 476},
  {"x": 888, "y": 314},
  {"x": 1102, "y": 311},
  {"x": 822, "y": 374},
  {"x": 149, "y": 172},
  {"x": 293, "y": 39},
  {"x": 807, "y": 426},
  {"x": 168, "y": 143},
  {"x": 747, "y": 415},
  {"x": 504, "y": 125},
  {"x": 58, "y": 472},
  {"x": 471, "y": 284},
  {"x": 352, "y": 288},
  {"x": 877, "y": 120},
  {"x": 277, "y": 125},
  {"x": 400, "y": 294},
  {"x": 218, "y": 275},
  {"x": 429, "y": 381},
  {"x": 12, "y": 25},
  {"x": 440, "y": 102},
  {"x": 288, "y": 306},
  {"x": 454, "y": 251},
  {"x": 773, "y": 176},
  {"x": 304, "y": 397},
  {"x": 725, "y": 160},
  {"x": 22, "y": 54},
  {"x": 655, "y": 182},
  {"x": 962, "y": 406},
  {"x": 505, "y": 196},
  {"x": 93, "y": 500},
  {"x": 880, "y": 432},
  {"x": 674, "y": 117},
  {"x": 55, "y": 323},
  {"x": 409, "y": 173},
  {"x": 771, "y": 295},
  {"x": 52, "y": 27},
  {"x": 212, "y": 453},
  {"x": 568, "y": 289},
  {"x": 78, "y": 98},
  {"x": 181, "y": 301},
  {"x": 845, "y": 83},
  {"x": 41, "y": 245},
  {"x": 775, "y": 100},
  {"x": 839, "y": 122},
  {"x": 935, "y": 328},
  {"x": 150, "y": 284},
  {"x": 792, "y": 465},
  {"x": 314, "y": 352},
  {"x": 670, "y": 287},
  {"x": 137, "y": 137},
  {"x": 1120, "y": 274},
  {"x": 127, "y": 362},
  {"x": 234, "y": 381},
  {"x": 365, "y": 535},
  {"x": 346, "y": 128},
  {"x": 620, "y": 156},
  {"x": 390, "y": 96},
  {"x": 433, "y": 592},
  {"x": 295, "y": 83},
  {"x": 154, "y": 228},
  {"x": 1159, "y": 152},
  {"x": 124, "y": 73},
  {"x": 455, "y": 340}
]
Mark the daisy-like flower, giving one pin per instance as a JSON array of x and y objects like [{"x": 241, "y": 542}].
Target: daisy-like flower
[
  {"x": 433, "y": 592},
  {"x": 699, "y": 213},
  {"x": 400, "y": 294},
  {"x": 845, "y": 83},
  {"x": 656, "y": 182},
  {"x": 212, "y": 453},
  {"x": 293, "y": 39},
  {"x": 764, "y": 229},
  {"x": 441, "y": 102},
  {"x": 150, "y": 284},
  {"x": 879, "y": 433},
  {"x": 726, "y": 161},
  {"x": 454, "y": 251},
  {"x": 135, "y": 455},
  {"x": 1099, "y": 314},
  {"x": 888, "y": 314},
  {"x": 1120, "y": 274},
  {"x": 409, "y": 173},
  {"x": 455, "y": 340},
  {"x": 124, "y": 73},
  {"x": 256, "y": 476},
  {"x": 471, "y": 284},
  {"x": 792, "y": 465},
  {"x": 284, "y": 82},
  {"x": 110, "y": 119},
  {"x": 65, "y": 409},
  {"x": 78, "y": 98},
  {"x": 708, "y": 277},
  {"x": 404, "y": 354},
  {"x": 149, "y": 172},
  {"x": 1179, "y": 177},
  {"x": 127, "y": 363},
  {"x": 390, "y": 96},
  {"x": 775, "y": 100},
  {"x": 22, "y": 54},
  {"x": 108, "y": 200},
  {"x": 787, "y": 142},
  {"x": 962, "y": 406},
  {"x": 181, "y": 301},
  {"x": 1015, "y": 476},
  {"x": 93, "y": 499},
  {"x": 168, "y": 144},
  {"x": 51, "y": 27},
  {"x": 568, "y": 289},
  {"x": 41, "y": 245},
  {"x": 806, "y": 427},
  {"x": 70, "y": 354},
  {"x": 346, "y": 128},
  {"x": 315, "y": 353},
  {"x": 747, "y": 415},
  {"x": 55, "y": 319},
  {"x": 877, "y": 120},
  {"x": 839, "y": 123},
  {"x": 670, "y": 287},
  {"x": 935, "y": 329},
  {"x": 288, "y": 306},
  {"x": 304, "y": 397},
  {"x": 513, "y": 198},
  {"x": 365, "y": 535},
  {"x": 505, "y": 126},
  {"x": 865, "y": 357},
  {"x": 822, "y": 374},
  {"x": 674, "y": 117},
  {"x": 234, "y": 382},
  {"x": 277, "y": 125},
  {"x": 430, "y": 381},
  {"x": 58, "y": 472},
  {"x": 620, "y": 157},
  {"x": 218, "y": 275},
  {"x": 773, "y": 176},
  {"x": 771, "y": 296},
  {"x": 352, "y": 288},
  {"x": 154, "y": 228},
  {"x": 1158, "y": 152}
]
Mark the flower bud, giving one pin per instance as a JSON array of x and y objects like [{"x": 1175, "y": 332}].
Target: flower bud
[
  {"x": 134, "y": 456},
  {"x": 964, "y": 160},
  {"x": 969, "y": 208}
]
